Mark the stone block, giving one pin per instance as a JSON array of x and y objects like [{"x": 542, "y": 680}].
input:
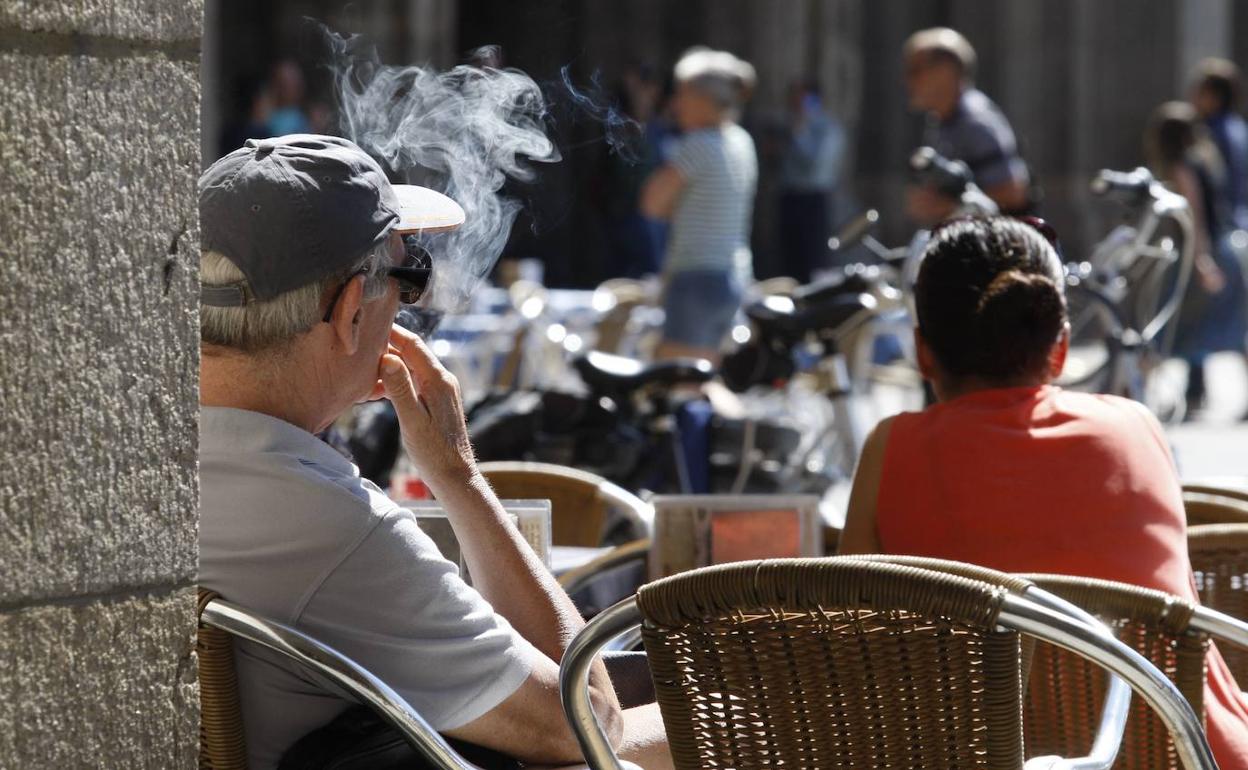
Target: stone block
[
  {"x": 98, "y": 323},
  {"x": 107, "y": 683},
  {"x": 150, "y": 20}
]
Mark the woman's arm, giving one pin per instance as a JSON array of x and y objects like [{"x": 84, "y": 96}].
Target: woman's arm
[
  {"x": 860, "y": 535},
  {"x": 661, "y": 191},
  {"x": 1207, "y": 271}
]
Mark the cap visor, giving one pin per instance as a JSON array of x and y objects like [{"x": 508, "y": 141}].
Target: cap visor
[{"x": 422, "y": 210}]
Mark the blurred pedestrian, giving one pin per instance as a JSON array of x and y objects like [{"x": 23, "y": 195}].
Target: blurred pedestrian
[
  {"x": 287, "y": 90},
  {"x": 634, "y": 242},
  {"x": 1212, "y": 318},
  {"x": 810, "y": 170},
  {"x": 251, "y": 115},
  {"x": 962, "y": 124},
  {"x": 1215, "y": 95},
  {"x": 707, "y": 191}
]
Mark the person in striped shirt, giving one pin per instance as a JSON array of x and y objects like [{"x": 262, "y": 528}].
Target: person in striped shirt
[{"x": 706, "y": 190}]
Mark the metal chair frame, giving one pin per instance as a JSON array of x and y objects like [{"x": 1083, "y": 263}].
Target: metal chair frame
[
  {"x": 577, "y": 579},
  {"x": 610, "y": 494},
  {"x": 342, "y": 671},
  {"x": 1117, "y": 706},
  {"x": 1029, "y": 616}
]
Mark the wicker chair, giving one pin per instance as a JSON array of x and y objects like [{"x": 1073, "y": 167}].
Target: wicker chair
[
  {"x": 1219, "y": 554},
  {"x": 1214, "y": 507},
  {"x": 583, "y": 506},
  {"x": 221, "y": 731},
  {"x": 221, "y": 744},
  {"x": 1237, "y": 490},
  {"x": 844, "y": 663},
  {"x": 1171, "y": 633}
]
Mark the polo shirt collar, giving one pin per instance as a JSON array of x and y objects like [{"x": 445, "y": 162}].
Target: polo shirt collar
[{"x": 238, "y": 431}]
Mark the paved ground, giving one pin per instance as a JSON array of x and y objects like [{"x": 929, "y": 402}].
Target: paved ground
[{"x": 1215, "y": 444}]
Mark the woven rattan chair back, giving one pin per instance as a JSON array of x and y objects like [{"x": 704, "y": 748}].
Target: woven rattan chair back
[
  {"x": 1065, "y": 693},
  {"x": 1219, "y": 554},
  {"x": 579, "y": 501},
  {"x": 832, "y": 663},
  {"x": 221, "y": 745},
  {"x": 1236, "y": 489},
  {"x": 1214, "y": 508}
]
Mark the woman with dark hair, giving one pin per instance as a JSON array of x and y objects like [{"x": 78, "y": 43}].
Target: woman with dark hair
[{"x": 1009, "y": 471}]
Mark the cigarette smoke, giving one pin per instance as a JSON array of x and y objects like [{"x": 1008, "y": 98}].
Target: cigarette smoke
[
  {"x": 621, "y": 133},
  {"x": 463, "y": 132}
]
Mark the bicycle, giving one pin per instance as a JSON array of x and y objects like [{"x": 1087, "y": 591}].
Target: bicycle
[{"x": 1123, "y": 300}]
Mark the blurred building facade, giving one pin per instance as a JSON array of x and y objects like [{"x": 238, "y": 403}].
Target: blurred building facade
[{"x": 1077, "y": 78}]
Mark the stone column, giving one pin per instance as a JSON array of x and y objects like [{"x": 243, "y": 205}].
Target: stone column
[{"x": 99, "y": 151}]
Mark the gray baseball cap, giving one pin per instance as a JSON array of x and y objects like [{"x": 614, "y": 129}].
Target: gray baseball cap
[{"x": 296, "y": 209}]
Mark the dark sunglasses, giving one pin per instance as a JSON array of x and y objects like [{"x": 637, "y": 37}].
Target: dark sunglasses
[{"x": 413, "y": 275}]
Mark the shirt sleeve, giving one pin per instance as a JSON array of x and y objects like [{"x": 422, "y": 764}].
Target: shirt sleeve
[
  {"x": 991, "y": 156},
  {"x": 694, "y": 154},
  {"x": 399, "y": 609}
]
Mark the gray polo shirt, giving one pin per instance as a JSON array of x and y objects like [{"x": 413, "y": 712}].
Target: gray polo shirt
[{"x": 290, "y": 530}]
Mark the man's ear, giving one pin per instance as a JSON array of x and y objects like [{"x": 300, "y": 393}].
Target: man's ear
[
  {"x": 345, "y": 321},
  {"x": 1057, "y": 356}
]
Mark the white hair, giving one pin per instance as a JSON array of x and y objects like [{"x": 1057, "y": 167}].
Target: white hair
[
  {"x": 260, "y": 326},
  {"x": 720, "y": 75}
]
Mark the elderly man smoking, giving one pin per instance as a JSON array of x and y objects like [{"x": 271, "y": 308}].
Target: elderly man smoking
[{"x": 304, "y": 268}]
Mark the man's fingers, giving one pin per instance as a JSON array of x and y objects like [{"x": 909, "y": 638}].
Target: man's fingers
[
  {"x": 416, "y": 354},
  {"x": 399, "y": 387}
]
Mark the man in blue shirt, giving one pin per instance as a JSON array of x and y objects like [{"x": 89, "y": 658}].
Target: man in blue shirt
[
  {"x": 962, "y": 124},
  {"x": 1215, "y": 95}
]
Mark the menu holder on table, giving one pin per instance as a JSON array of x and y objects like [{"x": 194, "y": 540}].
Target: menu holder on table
[
  {"x": 692, "y": 531},
  {"x": 531, "y": 517}
]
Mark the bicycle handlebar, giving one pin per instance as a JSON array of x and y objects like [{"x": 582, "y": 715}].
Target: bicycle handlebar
[
  {"x": 1135, "y": 187},
  {"x": 949, "y": 177}
]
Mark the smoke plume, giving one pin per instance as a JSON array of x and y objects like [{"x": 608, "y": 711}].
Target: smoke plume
[{"x": 463, "y": 132}]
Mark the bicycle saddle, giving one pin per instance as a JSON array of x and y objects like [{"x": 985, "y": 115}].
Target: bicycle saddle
[
  {"x": 606, "y": 373},
  {"x": 781, "y": 316}
]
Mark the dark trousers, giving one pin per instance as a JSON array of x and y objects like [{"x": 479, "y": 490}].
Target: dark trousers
[{"x": 805, "y": 226}]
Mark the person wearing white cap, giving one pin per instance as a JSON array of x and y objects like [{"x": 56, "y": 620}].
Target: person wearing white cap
[
  {"x": 707, "y": 191},
  {"x": 304, "y": 268}
]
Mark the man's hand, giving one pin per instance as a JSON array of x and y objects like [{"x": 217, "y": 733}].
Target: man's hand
[
  {"x": 431, "y": 414},
  {"x": 1209, "y": 275}
]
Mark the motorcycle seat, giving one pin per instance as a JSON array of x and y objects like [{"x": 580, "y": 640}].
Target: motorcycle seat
[
  {"x": 786, "y": 318},
  {"x": 607, "y": 373}
]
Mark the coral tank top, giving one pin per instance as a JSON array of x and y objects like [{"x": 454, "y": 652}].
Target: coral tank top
[{"x": 1038, "y": 479}]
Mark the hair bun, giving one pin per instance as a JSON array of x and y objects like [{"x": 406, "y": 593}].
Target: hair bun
[{"x": 1017, "y": 313}]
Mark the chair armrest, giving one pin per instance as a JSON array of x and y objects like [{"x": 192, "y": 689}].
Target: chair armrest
[
  {"x": 1096, "y": 644},
  {"x": 577, "y": 579},
  {"x": 574, "y": 682},
  {"x": 1114, "y": 711},
  {"x": 340, "y": 670},
  {"x": 1219, "y": 625}
]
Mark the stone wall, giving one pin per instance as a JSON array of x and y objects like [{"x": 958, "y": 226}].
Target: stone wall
[{"x": 99, "y": 151}]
